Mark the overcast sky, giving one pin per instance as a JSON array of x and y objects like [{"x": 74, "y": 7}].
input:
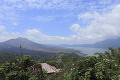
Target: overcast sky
[{"x": 60, "y": 21}]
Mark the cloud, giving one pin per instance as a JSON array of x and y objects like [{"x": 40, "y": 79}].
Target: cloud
[
  {"x": 14, "y": 23},
  {"x": 95, "y": 25},
  {"x": 36, "y": 36},
  {"x": 9, "y": 9},
  {"x": 7, "y": 12},
  {"x": 7, "y": 35},
  {"x": 43, "y": 18},
  {"x": 33, "y": 32},
  {"x": 100, "y": 27},
  {"x": 2, "y": 28},
  {"x": 75, "y": 27},
  {"x": 4, "y": 35},
  {"x": 58, "y": 4}
]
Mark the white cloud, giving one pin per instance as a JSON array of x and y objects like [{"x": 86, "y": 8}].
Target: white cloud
[
  {"x": 58, "y": 4},
  {"x": 4, "y": 35},
  {"x": 2, "y": 28},
  {"x": 13, "y": 1},
  {"x": 45, "y": 39},
  {"x": 14, "y": 23},
  {"x": 75, "y": 27},
  {"x": 33, "y": 32},
  {"x": 9, "y": 8},
  {"x": 101, "y": 26},
  {"x": 37, "y": 34},
  {"x": 43, "y": 18}
]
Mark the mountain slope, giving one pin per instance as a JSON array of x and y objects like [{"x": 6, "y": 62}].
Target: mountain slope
[
  {"x": 114, "y": 43},
  {"x": 25, "y": 44},
  {"x": 13, "y": 49},
  {"x": 29, "y": 47}
]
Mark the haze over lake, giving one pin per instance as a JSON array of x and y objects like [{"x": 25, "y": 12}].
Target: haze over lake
[{"x": 89, "y": 51}]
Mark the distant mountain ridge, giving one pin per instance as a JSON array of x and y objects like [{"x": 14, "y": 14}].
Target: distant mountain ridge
[
  {"x": 114, "y": 43},
  {"x": 30, "y": 47},
  {"x": 25, "y": 43}
]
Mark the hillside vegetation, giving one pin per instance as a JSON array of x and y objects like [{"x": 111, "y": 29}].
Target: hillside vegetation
[
  {"x": 104, "y": 66},
  {"x": 32, "y": 48}
]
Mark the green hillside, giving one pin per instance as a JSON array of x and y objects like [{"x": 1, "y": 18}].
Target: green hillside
[{"x": 104, "y": 66}]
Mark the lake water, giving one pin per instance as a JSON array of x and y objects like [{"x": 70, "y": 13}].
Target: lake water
[{"x": 89, "y": 51}]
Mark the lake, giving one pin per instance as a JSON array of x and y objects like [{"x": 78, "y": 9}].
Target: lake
[{"x": 89, "y": 51}]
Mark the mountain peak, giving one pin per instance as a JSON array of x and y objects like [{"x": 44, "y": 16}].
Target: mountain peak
[
  {"x": 31, "y": 47},
  {"x": 19, "y": 41}
]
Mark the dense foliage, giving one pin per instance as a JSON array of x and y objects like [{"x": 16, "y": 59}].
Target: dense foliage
[
  {"x": 6, "y": 57},
  {"x": 95, "y": 69},
  {"x": 20, "y": 69},
  {"x": 104, "y": 66}
]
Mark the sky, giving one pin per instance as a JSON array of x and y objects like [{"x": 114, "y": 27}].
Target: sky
[{"x": 60, "y": 21}]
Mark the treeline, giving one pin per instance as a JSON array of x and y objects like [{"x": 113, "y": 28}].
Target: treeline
[
  {"x": 103, "y": 66},
  {"x": 6, "y": 57}
]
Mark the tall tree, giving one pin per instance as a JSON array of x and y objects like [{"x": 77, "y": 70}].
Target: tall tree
[{"x": 21, "y": 50}]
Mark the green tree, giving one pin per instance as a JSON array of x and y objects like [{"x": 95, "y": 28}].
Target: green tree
[
  {"x": 19, "y": 70},
  {"x": 21, "y": 51}
]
